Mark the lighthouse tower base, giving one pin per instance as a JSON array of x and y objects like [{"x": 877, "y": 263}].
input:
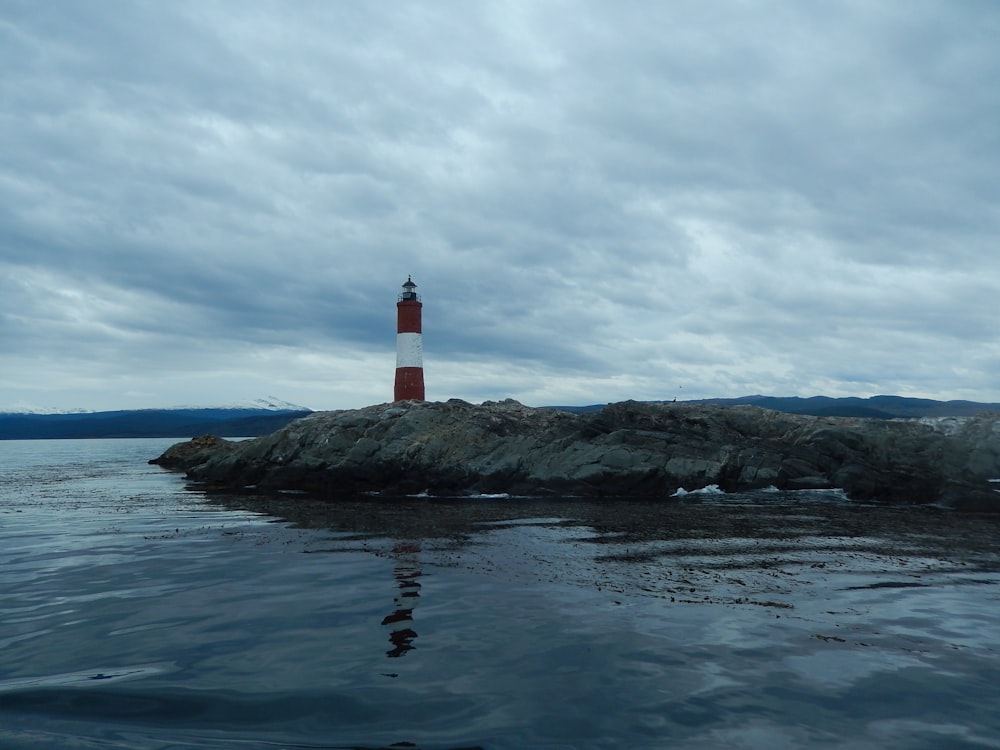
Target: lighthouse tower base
[{"x": 409, "y": 384}]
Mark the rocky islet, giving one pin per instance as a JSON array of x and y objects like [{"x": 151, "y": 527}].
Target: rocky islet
[{"x": 635, "y": 449}]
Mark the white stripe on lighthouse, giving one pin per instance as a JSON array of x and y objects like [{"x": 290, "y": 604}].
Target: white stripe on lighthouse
[{"x": 409, "y": 350}]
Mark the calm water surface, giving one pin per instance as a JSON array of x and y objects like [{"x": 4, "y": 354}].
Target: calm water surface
[{"x": 138, "y": 613}]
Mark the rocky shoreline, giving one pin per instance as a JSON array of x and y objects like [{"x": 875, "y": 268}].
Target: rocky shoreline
[{"x": 630, "y": 448}]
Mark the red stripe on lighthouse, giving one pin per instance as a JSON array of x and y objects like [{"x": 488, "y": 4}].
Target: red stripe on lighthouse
[
  {"x": 409, "y": 384},
  {"x": 408, "y": 316},
  {"x": 409, "y": 346}
]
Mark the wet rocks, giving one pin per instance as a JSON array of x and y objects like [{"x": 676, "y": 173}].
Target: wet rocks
[
  {"x": 627, "y": 448},
  {"x": 193, "y": 452}
]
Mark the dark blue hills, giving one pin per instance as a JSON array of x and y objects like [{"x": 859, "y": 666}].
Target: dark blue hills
[
  {"x": 253, "y": 421},
  {"x": 874, "y": 407},
  {"x": 181, "y": 423}
]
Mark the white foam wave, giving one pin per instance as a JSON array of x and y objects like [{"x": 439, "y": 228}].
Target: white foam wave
[{"x": 712, "y": 489}]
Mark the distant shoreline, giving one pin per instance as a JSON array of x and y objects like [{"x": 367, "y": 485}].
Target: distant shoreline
[
  {"x": 145, "y": 423},
  {"x": 249, "y": 422}
]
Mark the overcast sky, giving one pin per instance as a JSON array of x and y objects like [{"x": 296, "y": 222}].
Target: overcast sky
[{"x": 211, "y": 202}]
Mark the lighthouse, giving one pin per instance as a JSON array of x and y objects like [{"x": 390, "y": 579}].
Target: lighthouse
[{"x": 409, "y": 346}]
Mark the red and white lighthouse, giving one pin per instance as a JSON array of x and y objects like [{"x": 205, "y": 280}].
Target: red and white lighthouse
[{"x": 409, "y": 345}]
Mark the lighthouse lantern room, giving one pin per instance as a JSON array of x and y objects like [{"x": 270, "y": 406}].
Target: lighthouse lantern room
[{"x": 409, "y": 346}]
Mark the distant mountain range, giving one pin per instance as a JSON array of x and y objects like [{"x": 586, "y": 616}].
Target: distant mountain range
[
  {"x": 875, "y": 407},
  {"x": 249, "y": 420},
  {"x": 267, "y": 415}
]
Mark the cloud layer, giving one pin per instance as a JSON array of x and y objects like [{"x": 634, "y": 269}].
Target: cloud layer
[{"x": 204, "y": 202}]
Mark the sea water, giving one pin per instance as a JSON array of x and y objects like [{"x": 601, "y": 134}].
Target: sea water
[{"x": 139, "y": 612}]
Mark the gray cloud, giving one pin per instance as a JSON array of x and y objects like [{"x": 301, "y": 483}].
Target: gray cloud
[{"x": 214, "y": 202}]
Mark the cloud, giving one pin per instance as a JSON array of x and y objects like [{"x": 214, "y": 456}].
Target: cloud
[{"x": 598, "y": 202}]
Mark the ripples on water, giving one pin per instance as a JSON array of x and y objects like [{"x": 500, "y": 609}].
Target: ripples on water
[{"x": 138, "y": 614}]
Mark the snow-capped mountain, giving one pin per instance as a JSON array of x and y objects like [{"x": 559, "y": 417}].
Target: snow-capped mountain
[
  {"x": 23, "y": 408},
  {"x": 271, "y": 403}
]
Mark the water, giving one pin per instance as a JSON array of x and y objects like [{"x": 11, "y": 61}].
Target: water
[{"x": 138, "y": 613}]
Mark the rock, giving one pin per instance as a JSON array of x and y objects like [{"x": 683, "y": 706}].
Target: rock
[
  {"x": 193, "y": 452},
  {"x": 628, "y": 448}
]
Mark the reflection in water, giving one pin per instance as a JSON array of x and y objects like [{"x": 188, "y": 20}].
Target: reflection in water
[
  {"x": 407, "y": 570},
  {"x": 768, "y": 620},
  {"x": 766, "y": 550}
]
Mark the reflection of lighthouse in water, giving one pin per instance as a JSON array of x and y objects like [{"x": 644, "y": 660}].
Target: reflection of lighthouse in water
[{"x": 406, "y": 572}]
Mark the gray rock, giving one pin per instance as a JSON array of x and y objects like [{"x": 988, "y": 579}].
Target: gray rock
[{"x": 628, "y": 448}]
